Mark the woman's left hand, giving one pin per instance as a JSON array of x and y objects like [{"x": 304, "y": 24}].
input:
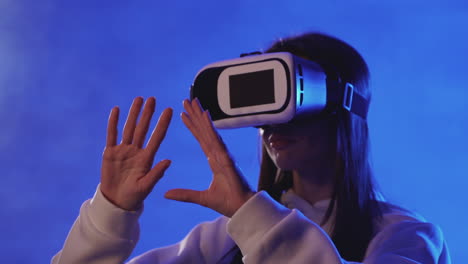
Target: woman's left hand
[{"x": 228, "y": 190}]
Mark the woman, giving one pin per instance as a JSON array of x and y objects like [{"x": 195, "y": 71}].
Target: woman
[{"x": 315, "y": 203}]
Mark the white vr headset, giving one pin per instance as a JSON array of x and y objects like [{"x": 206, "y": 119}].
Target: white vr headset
[{"x": 271, "y": 88}]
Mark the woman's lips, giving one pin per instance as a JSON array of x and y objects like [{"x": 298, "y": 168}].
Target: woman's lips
[{"x": 280, "y": 142}]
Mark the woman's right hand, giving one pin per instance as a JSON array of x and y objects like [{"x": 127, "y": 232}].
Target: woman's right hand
[{"x": 127, "y": 174}]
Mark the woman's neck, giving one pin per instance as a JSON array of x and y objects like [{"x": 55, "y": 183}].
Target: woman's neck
[{"x": 314, "y": 182}]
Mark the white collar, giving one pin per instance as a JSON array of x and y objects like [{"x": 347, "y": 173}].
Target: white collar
[{"x": 315, "y": 212}]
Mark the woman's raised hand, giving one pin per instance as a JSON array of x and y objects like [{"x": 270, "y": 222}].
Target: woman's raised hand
[
  {"x": 127, "y": 173},
  {"x": 228, "y": 189}
]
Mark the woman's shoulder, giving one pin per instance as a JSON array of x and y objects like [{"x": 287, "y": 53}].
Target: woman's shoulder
[
  {"x": 400, "y": 224},
  {"x": 392, "y": 214},
  {"x": 402, "y": 232}
]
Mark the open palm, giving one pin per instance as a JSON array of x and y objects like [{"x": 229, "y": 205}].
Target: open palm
[
  {"x": 228, "y": 190},
  {"x": 127, "y": 175}
]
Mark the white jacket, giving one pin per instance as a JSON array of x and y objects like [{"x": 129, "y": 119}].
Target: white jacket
[{"x": 264, "y": 230}]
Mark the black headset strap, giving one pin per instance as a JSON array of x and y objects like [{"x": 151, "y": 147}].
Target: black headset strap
[
  {"x": 344, "y": 96},
  {"x": 359, "y": 105}
]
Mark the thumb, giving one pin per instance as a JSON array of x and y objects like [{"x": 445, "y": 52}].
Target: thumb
[{"x": 185, "y": 195}]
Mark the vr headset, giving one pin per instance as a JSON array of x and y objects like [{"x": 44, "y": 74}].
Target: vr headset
[{"x": 271, "y": 88}]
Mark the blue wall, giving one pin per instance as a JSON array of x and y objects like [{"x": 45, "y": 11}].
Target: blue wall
[{"x": 64, "y": 64}]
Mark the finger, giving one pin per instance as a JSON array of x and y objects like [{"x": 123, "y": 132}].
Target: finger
[
  {"x": 194, "y": 128},
  {"x": 159, "y": 131},
  {"x": 211, "y": 140},
  {"x": 188, "y": 107},
  {"x": 130, "y": 124},
  {"x": 155, "y": 174},
  {"x": 201, "y": 126},
  {"x": 208, "y": 120},
  {"x": 111, "y": 139},
  {"x": 197, "y": 127},
  {"x": 145, "y": 120},
  {"x": 193, "y": 109},
  {"x": 185, "y": 195},
  {"x": 210, "y": 131},
  {"x": 196, "y": 106}
]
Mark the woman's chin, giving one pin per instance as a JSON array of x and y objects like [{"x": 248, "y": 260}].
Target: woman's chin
[{"x": 284, "y": 164}]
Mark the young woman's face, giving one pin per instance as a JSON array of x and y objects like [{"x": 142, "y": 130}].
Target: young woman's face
[{"x": 299, "y": 144}]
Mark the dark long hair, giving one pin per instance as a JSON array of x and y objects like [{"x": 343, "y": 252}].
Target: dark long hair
[{"x": 354, "y": 197}]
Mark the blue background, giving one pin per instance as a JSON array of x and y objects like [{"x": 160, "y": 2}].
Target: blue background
[{"x": 65, "y": 64}]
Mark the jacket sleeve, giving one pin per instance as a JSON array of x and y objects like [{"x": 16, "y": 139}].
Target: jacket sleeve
[
  {"x": 267, "y": 232},
  {"x": 207, "y": 243},
  {"x": 106, "y": 234},
  {"x": 102, "y": 234}
]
